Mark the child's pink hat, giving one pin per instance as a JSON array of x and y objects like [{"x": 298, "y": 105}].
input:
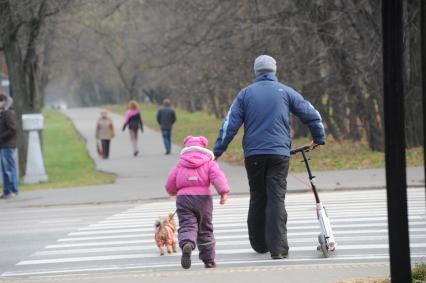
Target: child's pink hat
[{"x": 196, "y": 141}]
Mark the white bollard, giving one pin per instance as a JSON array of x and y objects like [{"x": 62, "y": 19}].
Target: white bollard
[{"x": 35, "y": 171}]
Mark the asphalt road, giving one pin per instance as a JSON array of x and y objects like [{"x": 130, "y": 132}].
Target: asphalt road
[
  {"x": 100, "y": 243},
  {"x": 27, "y": 230}
]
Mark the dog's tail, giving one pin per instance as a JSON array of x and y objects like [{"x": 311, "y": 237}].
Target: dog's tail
[{"x": 171, "y": 216}]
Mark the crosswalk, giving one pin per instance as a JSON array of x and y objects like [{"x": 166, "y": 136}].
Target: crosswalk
[{"x": 125, "y": 241}]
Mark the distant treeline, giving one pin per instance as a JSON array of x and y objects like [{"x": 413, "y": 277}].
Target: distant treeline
[{"x": 200, "y": 53}]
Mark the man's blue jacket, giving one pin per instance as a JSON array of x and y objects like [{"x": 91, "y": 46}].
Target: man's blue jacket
[{"x": 264, "y": 107}]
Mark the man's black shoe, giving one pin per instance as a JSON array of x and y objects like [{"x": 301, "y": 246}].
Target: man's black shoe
[{"x": 279, "y": 256}]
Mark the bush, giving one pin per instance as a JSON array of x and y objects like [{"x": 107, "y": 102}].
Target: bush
[{"x": 419, "y": 272}]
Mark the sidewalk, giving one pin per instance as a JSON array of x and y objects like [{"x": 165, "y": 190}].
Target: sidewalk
[{"x": 142, "y": 178}]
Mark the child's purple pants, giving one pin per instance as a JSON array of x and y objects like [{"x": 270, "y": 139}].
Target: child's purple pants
[{"x": 195, "y": 224}]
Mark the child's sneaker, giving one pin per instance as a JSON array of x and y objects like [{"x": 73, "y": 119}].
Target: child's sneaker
[
  {"x": 210, "y": 264},
  {"x": 186, "y": 256}
]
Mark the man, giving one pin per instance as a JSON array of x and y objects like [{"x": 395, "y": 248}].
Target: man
[
  {"x": 166, "y": 117},
  {"x": 8, "y": 132},
  {"x": 264, "y": 107}
]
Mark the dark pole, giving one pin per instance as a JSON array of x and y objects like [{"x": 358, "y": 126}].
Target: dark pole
[
  {"x": 423, "y": 54},
  {"x": 396, "y": 182}
]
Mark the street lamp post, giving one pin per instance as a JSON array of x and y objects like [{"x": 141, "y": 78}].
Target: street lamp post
[
  {"x": 423, "y": 54},
  {"x": 396, "y": 181}
]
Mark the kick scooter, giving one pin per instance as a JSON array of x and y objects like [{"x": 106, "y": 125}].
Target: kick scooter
[{"x": 325, "y": 238}]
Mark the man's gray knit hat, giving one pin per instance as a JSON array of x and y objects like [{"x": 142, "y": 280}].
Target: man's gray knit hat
[{"x": 265, "y": 63}]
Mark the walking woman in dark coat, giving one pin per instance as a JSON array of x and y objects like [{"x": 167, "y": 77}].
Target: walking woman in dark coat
[{"x": 134, "y": 121}]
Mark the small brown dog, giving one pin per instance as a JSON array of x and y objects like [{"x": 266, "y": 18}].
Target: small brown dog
[{"x": 165, "y": 234}]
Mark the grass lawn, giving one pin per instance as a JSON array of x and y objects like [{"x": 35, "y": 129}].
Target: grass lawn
[
  {"x": 334, "y": 155},
  {"x": 66, "y": 159}
]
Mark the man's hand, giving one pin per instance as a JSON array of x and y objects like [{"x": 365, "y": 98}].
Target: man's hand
[
  {"x": 223, "y": 199},
  {"x": 216, "y": 158},
  {"x": 313, "y": 145}
]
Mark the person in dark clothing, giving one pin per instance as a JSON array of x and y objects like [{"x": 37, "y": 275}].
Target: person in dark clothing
[
  {"x": 166, "y": 117},
  {"x": 134, "y": 121},
  {"x": 264, "y": 107},
  {"x": 8, "y": 140}
]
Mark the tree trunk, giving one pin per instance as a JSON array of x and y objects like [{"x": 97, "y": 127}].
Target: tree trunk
[
  {"x": 19, "y": 92},
  {"x": 412, "y": 61}
]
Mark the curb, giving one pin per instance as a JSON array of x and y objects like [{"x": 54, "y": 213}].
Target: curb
[{"x": 165, "y": 198}]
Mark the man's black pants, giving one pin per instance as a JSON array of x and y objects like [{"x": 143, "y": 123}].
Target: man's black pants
[{"x": 267, "y": 216}]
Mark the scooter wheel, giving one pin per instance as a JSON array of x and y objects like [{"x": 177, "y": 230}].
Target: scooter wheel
[{"x": 323, "y": 245}]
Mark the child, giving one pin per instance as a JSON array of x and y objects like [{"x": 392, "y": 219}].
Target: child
[{"x": 190, "y": 180}]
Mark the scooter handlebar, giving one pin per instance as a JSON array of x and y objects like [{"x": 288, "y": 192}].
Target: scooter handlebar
[{"x": 300, "y": 149}]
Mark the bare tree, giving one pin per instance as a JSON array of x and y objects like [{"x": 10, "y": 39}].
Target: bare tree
[
  {"x": 200, "y": 54},
  {"x": 21, "y": 27}
]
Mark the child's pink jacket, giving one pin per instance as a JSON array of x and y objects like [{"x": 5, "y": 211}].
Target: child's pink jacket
[{"x": 194, "y": 173}]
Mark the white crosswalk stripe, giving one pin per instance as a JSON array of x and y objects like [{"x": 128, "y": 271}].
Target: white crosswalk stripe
[{"x": 124, "y": 241}]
